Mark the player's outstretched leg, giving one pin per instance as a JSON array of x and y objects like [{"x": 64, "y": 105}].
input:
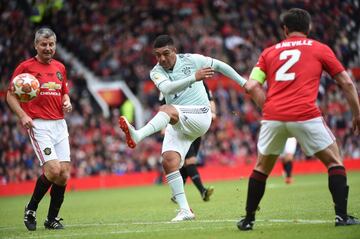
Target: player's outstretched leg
[
  {"x": 130, "y": 132},
  {"x": 157, "y": 123}
]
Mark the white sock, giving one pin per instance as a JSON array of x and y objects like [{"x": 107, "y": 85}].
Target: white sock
[
  {"x": 176, "y": 184},
  {"x": 159, "y": 122}
]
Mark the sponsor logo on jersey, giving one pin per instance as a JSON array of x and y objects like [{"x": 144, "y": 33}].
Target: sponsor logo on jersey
[{"x": 51, "y": 86}]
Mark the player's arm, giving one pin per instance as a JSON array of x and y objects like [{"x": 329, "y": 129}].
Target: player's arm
[
  {"x": 254, "y": 86},
  {"x": 66, "y": 103},
  {"x": 14, "y": 105},
  {"x": 228, "y": 71},
  {"x": 350, "y": 92},
  {"x": 166, "y": 86}
]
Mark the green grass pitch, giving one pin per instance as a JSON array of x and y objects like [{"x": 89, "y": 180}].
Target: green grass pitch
[{"x": 301, "y": 210}]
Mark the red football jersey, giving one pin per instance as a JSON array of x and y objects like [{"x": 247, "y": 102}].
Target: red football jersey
[
  {"x": 53, "y": 85},
  {"x": 293, "y": 69}
]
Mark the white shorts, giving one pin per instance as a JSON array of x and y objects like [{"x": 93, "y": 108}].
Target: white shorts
[
  {"x": 290, "y": 146},
  {"x": 194, "y": 122},
  {"x": 50, "y": 140},
  {"x": 313, "y": 136}
]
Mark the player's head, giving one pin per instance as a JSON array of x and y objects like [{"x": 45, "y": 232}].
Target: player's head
[
  {"x": 296, "y": 20},
  {"x": 45, "y": 44},
  {"x": 165, "y": 51}
]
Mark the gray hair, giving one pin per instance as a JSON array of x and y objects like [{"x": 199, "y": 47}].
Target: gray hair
[{"x": 44, "y": 32}]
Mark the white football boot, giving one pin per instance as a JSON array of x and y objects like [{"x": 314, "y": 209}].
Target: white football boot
[{"x": 184, "y": 215}]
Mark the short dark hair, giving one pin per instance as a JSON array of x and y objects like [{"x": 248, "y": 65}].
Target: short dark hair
[
  {"x": 296, "y": 20},
  {"x": 163, "y": 40}
]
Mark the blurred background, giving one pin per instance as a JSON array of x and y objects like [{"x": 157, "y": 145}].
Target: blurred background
[{"x": 106, "y": 47}]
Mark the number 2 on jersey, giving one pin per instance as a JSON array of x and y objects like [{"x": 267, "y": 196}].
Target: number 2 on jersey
[{"x": 282, "y": 74}]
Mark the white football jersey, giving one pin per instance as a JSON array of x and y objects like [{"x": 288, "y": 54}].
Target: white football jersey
[{"x": 185, "y": 65}]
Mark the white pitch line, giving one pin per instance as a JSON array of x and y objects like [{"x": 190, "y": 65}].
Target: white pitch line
[
  {"x": 263, "y": 221},
  {"x": 72, "y": 235}
]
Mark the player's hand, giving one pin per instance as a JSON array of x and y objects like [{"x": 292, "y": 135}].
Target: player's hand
[
  {"x": 204, "y": 73},
  {"x": 26, "y": 122},
  {"x": 356, "y": 125},
  {"x": 67, "y": 107}
]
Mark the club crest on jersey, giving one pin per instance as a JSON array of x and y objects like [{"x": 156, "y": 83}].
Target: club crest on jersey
[
  {"x": 47, "y": 151},
  {"x": 59, "y": 75},
  {"x": 186, "y": 70}
]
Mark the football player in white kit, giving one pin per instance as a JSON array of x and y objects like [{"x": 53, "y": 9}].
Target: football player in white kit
[{"x": 186, "y": 114}]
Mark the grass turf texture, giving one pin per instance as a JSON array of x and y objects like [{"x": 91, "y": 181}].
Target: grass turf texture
[{"x": 301, "y": 210}]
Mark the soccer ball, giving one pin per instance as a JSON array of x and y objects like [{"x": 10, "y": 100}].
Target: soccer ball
[{"x": 26, "y": 87}]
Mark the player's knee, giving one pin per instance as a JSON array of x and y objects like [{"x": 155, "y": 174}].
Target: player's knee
[
  {"x": 65, "y": 173},
  {"x": 63, "y": 178},
  {"x": 52, "y": 172},
  {"x": 170, "y": 164},
  {"x": 171, "y": 111}
]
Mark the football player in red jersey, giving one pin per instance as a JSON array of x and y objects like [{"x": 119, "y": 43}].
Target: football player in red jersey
[
  {"x": 43, "y": 117},
  {"x": 292, "y": 70}
]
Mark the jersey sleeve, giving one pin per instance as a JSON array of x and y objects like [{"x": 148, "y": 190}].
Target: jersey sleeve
[
  {"x": 258, "y": 72},
  {"x": 65, "y": 87},
  {"x": 157, "y": 77},
  {"x": 329, "y": 61},
  {"x": 201, "y": 61},
  {"x": 166, "y": 86}
]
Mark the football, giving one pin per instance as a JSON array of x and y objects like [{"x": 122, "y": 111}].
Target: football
[{"x": 26, "y": 87}]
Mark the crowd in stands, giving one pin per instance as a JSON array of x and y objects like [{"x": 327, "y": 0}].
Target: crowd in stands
[{"x": 113, "y": 38}]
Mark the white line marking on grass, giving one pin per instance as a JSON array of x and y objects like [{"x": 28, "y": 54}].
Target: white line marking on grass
[
  {"x": 72, "y": 235},
  {"x": 262, "y": 221}
]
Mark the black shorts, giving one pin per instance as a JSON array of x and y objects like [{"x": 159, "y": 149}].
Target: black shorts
[{"x": 194, "y": 148}]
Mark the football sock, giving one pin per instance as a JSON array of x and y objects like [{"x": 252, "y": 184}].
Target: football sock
[
  {"x": 184, "y": 173},
  {"x": 159, "y": 122},
  {"x": 57, "y": 197},
  {"x": 288, "y": 168},
  {"x": 176, "y": 184},
  {"x": 256, "y": 189},
  {"x": 339, "y": 190},
  {"x": 41, "y": 187},
  {"x": 195, "y": 177}
]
